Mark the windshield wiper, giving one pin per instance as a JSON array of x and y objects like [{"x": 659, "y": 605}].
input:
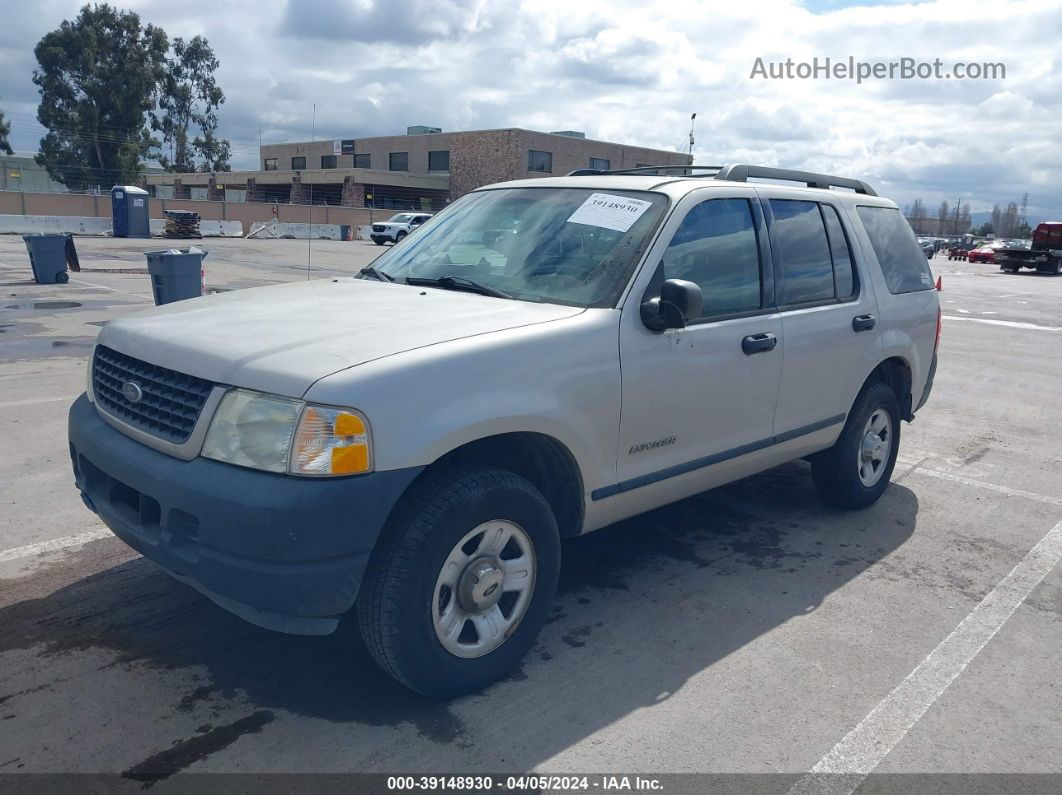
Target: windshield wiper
[
  {"x": 456, "y": 283},
  {"x": 369, "y": 270}
]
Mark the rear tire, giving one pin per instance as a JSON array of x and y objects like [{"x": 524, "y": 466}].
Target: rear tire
[
  {"x": 407, "y": 610},
  {"x": 856, "y": 470}
]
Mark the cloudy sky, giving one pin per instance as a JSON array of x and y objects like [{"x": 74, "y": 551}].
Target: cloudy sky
[{"x": 633, "y": 72}]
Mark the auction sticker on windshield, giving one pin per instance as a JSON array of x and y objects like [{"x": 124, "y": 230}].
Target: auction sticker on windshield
[{"x": 609, "y": 211}]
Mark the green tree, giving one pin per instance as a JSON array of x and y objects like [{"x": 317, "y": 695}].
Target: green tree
[
  {"x": 97, "y": 78},
  {"x": 5, "y": 130},
  {"x": 188, "y": 95}
]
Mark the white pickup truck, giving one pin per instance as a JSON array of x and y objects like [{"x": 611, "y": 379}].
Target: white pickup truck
[{"x": 544, "y": 358}]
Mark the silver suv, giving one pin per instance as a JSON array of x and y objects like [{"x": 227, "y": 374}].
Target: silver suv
[{"x": 545, "y": 358}]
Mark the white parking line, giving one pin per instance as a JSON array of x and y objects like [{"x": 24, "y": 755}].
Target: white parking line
[
  {"x": 942, "y": 475},
  {"x": 42, "y": 547},
  {"x": 1008, "y": 323},
  {"x": 35, "y": 401},
  {"x": 862, "y": 749}
]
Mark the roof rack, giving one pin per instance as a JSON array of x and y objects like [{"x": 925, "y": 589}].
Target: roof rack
[
  {"x": 651, "y": 170},
  {"x": 742, "y": 173}
]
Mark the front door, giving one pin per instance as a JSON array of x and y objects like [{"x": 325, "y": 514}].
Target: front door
[{"x": 698, "y": 399}]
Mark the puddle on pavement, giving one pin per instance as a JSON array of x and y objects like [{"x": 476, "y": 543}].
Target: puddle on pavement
[{"x": 44, "y": 305}]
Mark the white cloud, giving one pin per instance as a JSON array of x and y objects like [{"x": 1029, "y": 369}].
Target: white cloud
[{"x": 633, "y": 71}]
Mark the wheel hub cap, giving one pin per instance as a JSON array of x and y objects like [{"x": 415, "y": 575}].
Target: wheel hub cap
[
  {"x": 484, "y": 588},
  {"x": 479, "y": 588}
]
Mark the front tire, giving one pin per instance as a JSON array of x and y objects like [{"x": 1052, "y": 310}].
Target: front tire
[
  {"x": 856, "y": 470},
  {"x": 461, "y": 581},
  {"x": 399, "y": 237}
]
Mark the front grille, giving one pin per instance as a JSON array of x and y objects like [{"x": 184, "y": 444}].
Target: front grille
[
  {"x": 171, "y": 401},
  {"x": 378, "y": 228}
]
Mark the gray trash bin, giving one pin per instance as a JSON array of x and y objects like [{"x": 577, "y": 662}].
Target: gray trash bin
[
  {"x": 176, "y": 274},
  {"x": 47, "y": 255}
]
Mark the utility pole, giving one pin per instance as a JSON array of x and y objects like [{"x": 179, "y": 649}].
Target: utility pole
[
  {"x": 1024, "y": 205},
  {"x": 693, "y": 119}
]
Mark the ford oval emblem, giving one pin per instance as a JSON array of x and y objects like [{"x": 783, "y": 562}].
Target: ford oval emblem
[{"x": 132, "y": 391}]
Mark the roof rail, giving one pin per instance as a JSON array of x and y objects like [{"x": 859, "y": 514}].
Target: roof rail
[
  {"x": 651, "y": 170},
  {"x": 742, "y": 173}
]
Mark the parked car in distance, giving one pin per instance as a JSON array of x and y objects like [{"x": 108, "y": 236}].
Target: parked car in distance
[
  {"x": 985, "y": 253},
  {"x": 397, "y": 227},
  {"x": 1044, "y": 253},
  {"x": 546, "y": 358}
]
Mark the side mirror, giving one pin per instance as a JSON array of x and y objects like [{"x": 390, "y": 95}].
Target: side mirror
[{"x": 680, "y": 301}]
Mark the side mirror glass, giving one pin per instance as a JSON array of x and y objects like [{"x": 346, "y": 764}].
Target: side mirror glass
[{"x": 680, "y": 301}]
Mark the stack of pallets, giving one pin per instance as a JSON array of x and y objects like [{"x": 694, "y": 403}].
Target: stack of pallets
[{"x": 181, "y": 224}]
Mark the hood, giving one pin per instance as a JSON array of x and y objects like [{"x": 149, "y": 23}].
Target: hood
[{"x": 283, "y": 338}]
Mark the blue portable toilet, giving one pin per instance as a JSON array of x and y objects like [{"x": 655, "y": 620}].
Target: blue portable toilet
[{"x": 129, "y": 212}]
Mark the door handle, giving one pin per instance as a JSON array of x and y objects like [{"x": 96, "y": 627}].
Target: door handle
[
  {"x": 863, "y": 323},
  {"x": 758, "y": 343}
]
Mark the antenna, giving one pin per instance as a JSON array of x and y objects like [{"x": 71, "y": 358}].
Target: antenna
[
  {"x": 693, "y": 120},
  {"x": 309, "y": 233}
]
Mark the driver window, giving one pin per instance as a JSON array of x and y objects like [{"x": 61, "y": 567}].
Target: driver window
[{"x": 716, "y": 247}]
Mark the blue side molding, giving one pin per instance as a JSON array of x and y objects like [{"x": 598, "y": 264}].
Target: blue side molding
[{"x": 715, "y": 458}]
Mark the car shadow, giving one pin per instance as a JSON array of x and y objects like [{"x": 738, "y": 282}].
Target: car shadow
[{"x": 766, "y": 544}]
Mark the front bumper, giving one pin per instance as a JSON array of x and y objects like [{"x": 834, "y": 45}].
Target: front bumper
[{"x": 283, "y": 552}]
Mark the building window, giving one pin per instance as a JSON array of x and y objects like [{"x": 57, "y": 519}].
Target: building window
[
  {"x": 328, "y": 161},
  {"x": 363, "y": 161},
  {"x": 599, "y": 164},
  {"x": 539, "y": 161},
  {"x": 439, "y": 160},
  {"x": 270, "y": 164},
  {"x": 298, "y": 163},
  {"x": 399, "y": 161}
]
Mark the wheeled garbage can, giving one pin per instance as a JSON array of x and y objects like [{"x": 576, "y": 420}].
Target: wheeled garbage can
[
  {"x": 176, "y": 274},
  {"x": 47, "y": 255}
]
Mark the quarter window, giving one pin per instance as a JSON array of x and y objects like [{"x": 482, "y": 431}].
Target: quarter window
[
  {"x": 539, "y": 161},
  {"x": 902, "y": 260},
  {"x": 715, "y": 246},
  {"x": 800, "y": 242}
]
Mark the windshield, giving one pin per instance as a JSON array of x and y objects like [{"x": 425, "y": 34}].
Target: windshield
[
  {"x": 559, "y": 245},
  {"x": 401, "y": 218}
]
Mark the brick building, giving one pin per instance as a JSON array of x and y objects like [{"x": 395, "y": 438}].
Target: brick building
[{"x": 423, "y": 169}]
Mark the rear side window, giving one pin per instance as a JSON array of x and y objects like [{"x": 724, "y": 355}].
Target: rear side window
[
  {"x": 716, "y": 247},
  {"x": 903, "y": 263},
  {"x": 841, "y": 252},
  {"x": 800, "y": 242}
]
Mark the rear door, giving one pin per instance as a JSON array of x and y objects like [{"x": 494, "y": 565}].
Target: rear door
[{"x": 828, "y": 312}]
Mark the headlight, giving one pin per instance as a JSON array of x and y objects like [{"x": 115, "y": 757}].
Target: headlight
[
  {"x": 278, "y": 434},
  {"x": 253, "y": 429}
]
